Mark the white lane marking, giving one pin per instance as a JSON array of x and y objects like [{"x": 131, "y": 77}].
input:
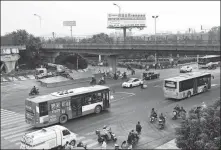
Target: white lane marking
[
  {"x": 90, "y": 133},
  {"x": 16, "y": 139},
  {"x": 13, "y": 136},
  {"x": 124, "y": 92},
  {"x": 92, "y": 144},
  {"x": 13, "y": 119},
  {"x": 31, "y": 76},
  {"x": 18, "y": 143},
  {"x": 214, "y": 85},
  {"x": 158, "y": 86},
  {"x": 80, "y": 138},
  {"x": 11, "y": 133},
  {"x": 122, "y": 98},
  {"x": 22, "y": 78},
  {"x": 4, "y": 80},
  {"x": 25, "y": 126},
  {"x": 9, "y": 116},
  {"x": 87, "y": 141},
  {"x": 9, "y": 123}
]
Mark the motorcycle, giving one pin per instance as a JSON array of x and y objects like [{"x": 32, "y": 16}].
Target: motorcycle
[
  {"x": 101, "y": 82},
  {"x": 34, "y": 93},
  {"x": 123, "y": 77},
  {"x": 93, "y": 82},
  {"x": 161, "y": 124},
  {"x": 134, "y": 140},
  {"x": 153, "y": 118},
  {"x": 175, "y": 115},
  {"x": 104, "y": 137}
]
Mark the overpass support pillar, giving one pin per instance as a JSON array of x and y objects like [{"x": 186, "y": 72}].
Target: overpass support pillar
[
  {"x": 10, "y": 61},
  {"x": 112, "y": 62},
  {"x": 197, "y": 58},
  {"x": 50, "y": 57}
]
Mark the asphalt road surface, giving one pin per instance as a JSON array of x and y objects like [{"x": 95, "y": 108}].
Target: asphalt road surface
[{"x": 127, "y": 107}]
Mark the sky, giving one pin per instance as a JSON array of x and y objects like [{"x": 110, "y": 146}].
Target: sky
[{"x": 91, "y": 16}]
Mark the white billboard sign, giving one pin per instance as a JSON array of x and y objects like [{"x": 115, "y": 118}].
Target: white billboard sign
[
  {"x": 126, "y": 20},
  {"x": 69, "y": 23}
]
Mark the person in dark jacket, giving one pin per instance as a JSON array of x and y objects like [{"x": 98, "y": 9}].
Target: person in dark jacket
[{"x": 138, "y": 127}]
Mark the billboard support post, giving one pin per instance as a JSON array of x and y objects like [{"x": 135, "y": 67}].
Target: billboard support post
[{"x": 70, "y": 24}]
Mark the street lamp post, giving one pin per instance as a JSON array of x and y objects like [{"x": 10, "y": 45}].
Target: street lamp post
[
  {"x": 155, "y": 17},
  {"x": 39, "y": 18},
  {"x": 118, "y": 7}
]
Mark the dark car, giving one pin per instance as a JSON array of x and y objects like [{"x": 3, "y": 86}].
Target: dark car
[{"x": 150, "y": 75}]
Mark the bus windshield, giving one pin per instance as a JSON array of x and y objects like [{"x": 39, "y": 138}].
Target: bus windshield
[{"x": 170, "y": 84}]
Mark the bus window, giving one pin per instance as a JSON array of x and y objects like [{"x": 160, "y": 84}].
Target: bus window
[
  {"x": 43, "y": 108},
  {"x": 186, "y": 85},
  {"x": 170, "y": 84}
]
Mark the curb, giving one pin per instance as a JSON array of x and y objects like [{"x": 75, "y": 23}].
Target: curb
[{"x": 169, "y": 145}]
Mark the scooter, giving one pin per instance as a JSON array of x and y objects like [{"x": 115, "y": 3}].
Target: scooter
[
  {"x": 153, "y": 118},
  {"x": 104, "y": 137},
  {"x": 161, "y": 124},
  {"x": 34, "y": 93},
  {"x": 101, "y": 82},
  {"x": 175, "y": 115}
]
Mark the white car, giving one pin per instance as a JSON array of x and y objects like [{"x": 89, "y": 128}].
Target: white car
[
  {"x": 132, "y": 82},
  {"x": 186, "y": 69}
]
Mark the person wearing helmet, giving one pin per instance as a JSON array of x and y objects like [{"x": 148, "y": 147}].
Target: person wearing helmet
[
  {"x": 106, "y": 132},
  {"x": 177, "y": 109}
]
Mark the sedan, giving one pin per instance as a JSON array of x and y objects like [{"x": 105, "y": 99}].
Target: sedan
[
  {"x": 132, "y": 82},
  {"x": 186, "y": 69}
]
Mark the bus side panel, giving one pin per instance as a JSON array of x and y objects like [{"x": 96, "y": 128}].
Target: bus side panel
[{"x": 88, "y": 109}]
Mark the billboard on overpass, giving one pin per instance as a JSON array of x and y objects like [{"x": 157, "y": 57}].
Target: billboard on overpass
[
  {"x": 69, "y": 23},
  {"x": 126, "y": 20}
]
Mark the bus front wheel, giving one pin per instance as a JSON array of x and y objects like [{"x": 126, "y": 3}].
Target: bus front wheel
[
  {"x": 63, "y": 119},
  {"x": 97, "y": 109}
]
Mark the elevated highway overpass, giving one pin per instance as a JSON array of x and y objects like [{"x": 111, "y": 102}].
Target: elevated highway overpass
[{"x": 51, "y": 51}]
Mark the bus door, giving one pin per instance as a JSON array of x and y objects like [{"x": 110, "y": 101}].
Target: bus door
[
  {"x": 106, "y": 102},
  {"x": 195, "y": 87},
  {"x": 76, "y": 106},
  {"x": 43, "y": 113}
]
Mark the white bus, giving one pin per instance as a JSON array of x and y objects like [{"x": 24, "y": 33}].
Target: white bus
[
  {"x": 59, "y": 107},
  {"x": 186, "y": 85},
  {"x": 206, "y": 61}
]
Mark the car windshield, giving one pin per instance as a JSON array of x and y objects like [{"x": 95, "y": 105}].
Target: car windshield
[{"x": 130, "y": 80}]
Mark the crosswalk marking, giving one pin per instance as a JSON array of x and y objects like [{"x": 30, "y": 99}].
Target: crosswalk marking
[
  {"x": 13, "y": 127},
  {"x": 22, "y": 78},
  {"x": 92, "y": 144},
  {"x": 31, "y": 76},
  {"x": 12, "y": 120}
]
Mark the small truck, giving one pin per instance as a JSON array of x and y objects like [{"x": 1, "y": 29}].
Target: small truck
[{"x": 53, "y": 137}]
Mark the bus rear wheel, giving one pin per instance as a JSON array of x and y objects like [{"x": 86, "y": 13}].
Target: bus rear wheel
[
  {"x": 63, "y": 119},
  {"x": 97, "y": 109}
]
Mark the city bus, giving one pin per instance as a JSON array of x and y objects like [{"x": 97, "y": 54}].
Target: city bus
[
  {"x": 59, "y": 107},
  {"x": 187, "y": 85},
  {"x": 206, "y": 61}
]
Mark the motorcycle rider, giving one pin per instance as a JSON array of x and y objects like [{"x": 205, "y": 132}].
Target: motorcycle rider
[
  {"x": 106, "y": 132},
  {"x": 129, "y": 139},
  {"x": 124, "y": 75},
  {"x": 93, "y": 81},
  {"x": 138, "y": 127},
  {"x": 153, "y": 113},
  {"x": 161, "y": 117},
  {"x": 177, "y": 108},
  {"x": 34, "y": 90}
]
